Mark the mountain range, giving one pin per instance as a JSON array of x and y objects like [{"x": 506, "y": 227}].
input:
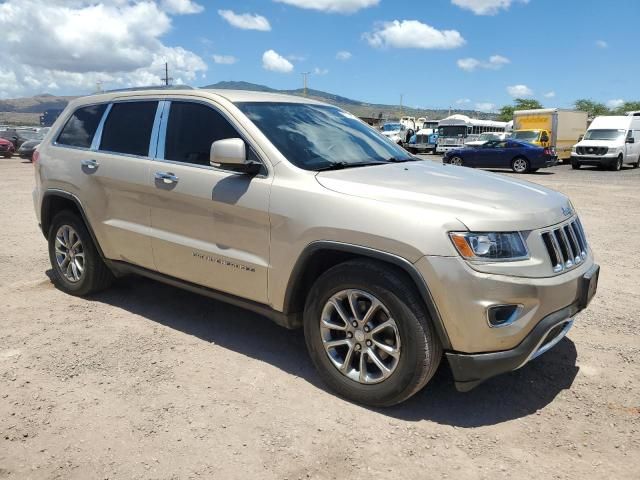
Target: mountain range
[{"x": 27, "y": 110}]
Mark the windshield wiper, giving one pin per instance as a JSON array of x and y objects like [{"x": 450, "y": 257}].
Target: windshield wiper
[
  {"x": 402, "y": 160},
  {"x": 343, "y": 165}
]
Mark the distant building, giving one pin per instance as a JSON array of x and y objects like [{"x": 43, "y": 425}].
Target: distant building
[{"x": 49, "y": 116}]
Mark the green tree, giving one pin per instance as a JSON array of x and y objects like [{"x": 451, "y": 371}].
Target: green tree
[
  {"x": 627, "y": 107},
  {"x": 592, "y": 107},
  {"x": 506, "y": 112}
]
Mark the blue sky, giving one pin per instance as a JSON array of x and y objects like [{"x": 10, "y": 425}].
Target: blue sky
[{"x": 564, "y": 49}]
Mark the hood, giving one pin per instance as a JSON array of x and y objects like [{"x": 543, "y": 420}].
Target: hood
[
  {"x": 29, "y": 144},
  {"x": 481, "y": 200},
  {"x": 600, "y": 143},
  {"x": 391, "y": 133}
]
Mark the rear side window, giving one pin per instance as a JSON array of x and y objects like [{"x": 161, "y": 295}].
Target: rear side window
[
  {"x": 191, "y": 129},
  {"x": 128, "y": 128},
  {"x": 81, "y": 126}
]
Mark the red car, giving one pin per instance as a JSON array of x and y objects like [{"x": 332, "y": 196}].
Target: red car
[{"x": 6, "y": 148}]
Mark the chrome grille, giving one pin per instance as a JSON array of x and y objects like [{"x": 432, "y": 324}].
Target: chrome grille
[
  {"x": 566, "y": 245},
  {"x": 592, "y": 150}
]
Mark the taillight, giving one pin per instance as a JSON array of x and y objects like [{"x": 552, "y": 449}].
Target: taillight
[
  {"x": 549, "y": 151},
  {"x": 35, "y": 157}
]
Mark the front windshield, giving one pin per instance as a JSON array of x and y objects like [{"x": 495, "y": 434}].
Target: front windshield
[
  {"x": 527, "y": 136},
  {"x": 314, "y": 137},
  {"x": 453, "y": 131},
  {"x": 391, "y": 127},
  {"x": 603, "y": 134}
]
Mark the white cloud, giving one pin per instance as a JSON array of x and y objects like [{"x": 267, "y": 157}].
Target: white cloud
[
  {"x": 495, "y": 62},
  {"x": 550, "y": 94},
  {"x": 601, "y": 44},
  {"x": 616, "y": 103},
  {"x": 412, "y": 34},
  {"x": 320, "y": 71},
  {"x": 181, "y": 7},
  {"x": 343, "y": 55},
  {"x": 82, "y": 42},
  {"x": 246, "y": 21},
  {"x": 485, "y": 106},
  {"x": 519, "y": 91},
  {"x": 332, "y": 6},
  {"x": 296, "y": 58},
  {"x": 224, "y": 59},
  {"x": 486, "y": 7},
  {"x": 463, "y": 101},
  {"x": 275, "y": 62}
]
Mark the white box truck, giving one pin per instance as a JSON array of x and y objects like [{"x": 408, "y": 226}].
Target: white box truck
[
  {"x": 610, "y": 142},
  {"x": 550, "y": 127}
]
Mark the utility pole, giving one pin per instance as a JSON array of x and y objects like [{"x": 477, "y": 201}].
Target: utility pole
[
  {"x": 305, "y": 76},
  {"x": 166, "y": 79},
  {"x": 401, "y": 106}
]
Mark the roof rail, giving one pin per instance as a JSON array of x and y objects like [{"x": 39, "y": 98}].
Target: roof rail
[{"x": 151, "y": 87}]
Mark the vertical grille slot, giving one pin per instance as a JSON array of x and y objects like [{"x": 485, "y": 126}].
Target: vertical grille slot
[{"x": 566, "y": 245}]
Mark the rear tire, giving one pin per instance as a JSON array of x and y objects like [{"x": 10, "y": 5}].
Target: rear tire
[
  {"x": 414, "y": 349},
  {"x": 637, "y": 164},
  {"x": 77, "y": 266},
  {"x": 520, "y": 165}
]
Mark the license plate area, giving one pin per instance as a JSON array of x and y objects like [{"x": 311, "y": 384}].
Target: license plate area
[{"x": 588, "y": 287}]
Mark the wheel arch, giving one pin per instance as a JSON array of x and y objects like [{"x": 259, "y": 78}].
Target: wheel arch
[
  {"x": 55, "y": 201},
  {"x": 320, "y": 256}
]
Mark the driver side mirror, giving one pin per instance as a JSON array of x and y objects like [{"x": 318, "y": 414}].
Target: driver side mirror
[
  {"x": 631, "y": 140},
  {"x": 231, "y": 153}
]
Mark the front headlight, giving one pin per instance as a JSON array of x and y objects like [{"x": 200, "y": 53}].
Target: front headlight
[
  {"x": 490, "y": 247},
  {"x": 574, "y": 149}
]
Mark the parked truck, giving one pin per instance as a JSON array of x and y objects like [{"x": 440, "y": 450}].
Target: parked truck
[{"x": 550, "y": 127}]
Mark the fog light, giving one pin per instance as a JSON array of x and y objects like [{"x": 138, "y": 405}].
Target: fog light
[{"x": 503, "y": 315}]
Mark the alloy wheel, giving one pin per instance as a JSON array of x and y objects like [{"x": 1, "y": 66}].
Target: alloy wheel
[
  {"x": 360, "y": 337},
  {"x": 520, "y": 165},
  {"x": 456, "y": 161},
  {"x": 69, "y": 253}
]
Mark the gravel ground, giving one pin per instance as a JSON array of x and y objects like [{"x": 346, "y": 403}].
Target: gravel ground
[{"x": 147, "y": 381}]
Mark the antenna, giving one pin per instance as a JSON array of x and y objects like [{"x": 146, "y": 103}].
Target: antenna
[{"x": 167, "y": 79}]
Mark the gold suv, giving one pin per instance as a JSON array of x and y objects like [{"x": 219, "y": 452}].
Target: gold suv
[{"x": 299, "y": 211}]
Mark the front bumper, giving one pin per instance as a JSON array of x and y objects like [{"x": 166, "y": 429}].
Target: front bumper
[
  {"x": 469, "y": 370},
  {"x": 593, "y": 159}
]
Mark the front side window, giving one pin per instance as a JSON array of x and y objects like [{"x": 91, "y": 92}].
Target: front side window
[
  {"x": 128, "y": 128},
  {"x": 191, "y": 129},
  {"x": 81, "y": 126},
  {"x": 315, "y": 137}
]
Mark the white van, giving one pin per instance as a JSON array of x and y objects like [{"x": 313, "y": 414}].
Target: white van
[{"x": 609, "y": 141}]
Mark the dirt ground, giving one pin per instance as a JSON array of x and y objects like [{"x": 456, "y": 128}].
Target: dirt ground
[{"x": 146, "y": 381}]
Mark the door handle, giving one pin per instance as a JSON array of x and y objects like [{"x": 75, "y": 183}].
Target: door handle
[
  {"x": 166, "y": 177},
  {"x": 90, "y": 164}
]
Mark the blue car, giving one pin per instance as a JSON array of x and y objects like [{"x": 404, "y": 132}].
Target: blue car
[{"x": 521, "y": 157}]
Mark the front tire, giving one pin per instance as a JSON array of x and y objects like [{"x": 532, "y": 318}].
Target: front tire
[
  {"x": 520, "y": 165},
  {"x": 77, "y": 266},
  {"x": 616, "y": 166},
  {"x": 368, "y": 334},
  {"x": 575, "y": 165},
  {"x": 457, "y": 161}
]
